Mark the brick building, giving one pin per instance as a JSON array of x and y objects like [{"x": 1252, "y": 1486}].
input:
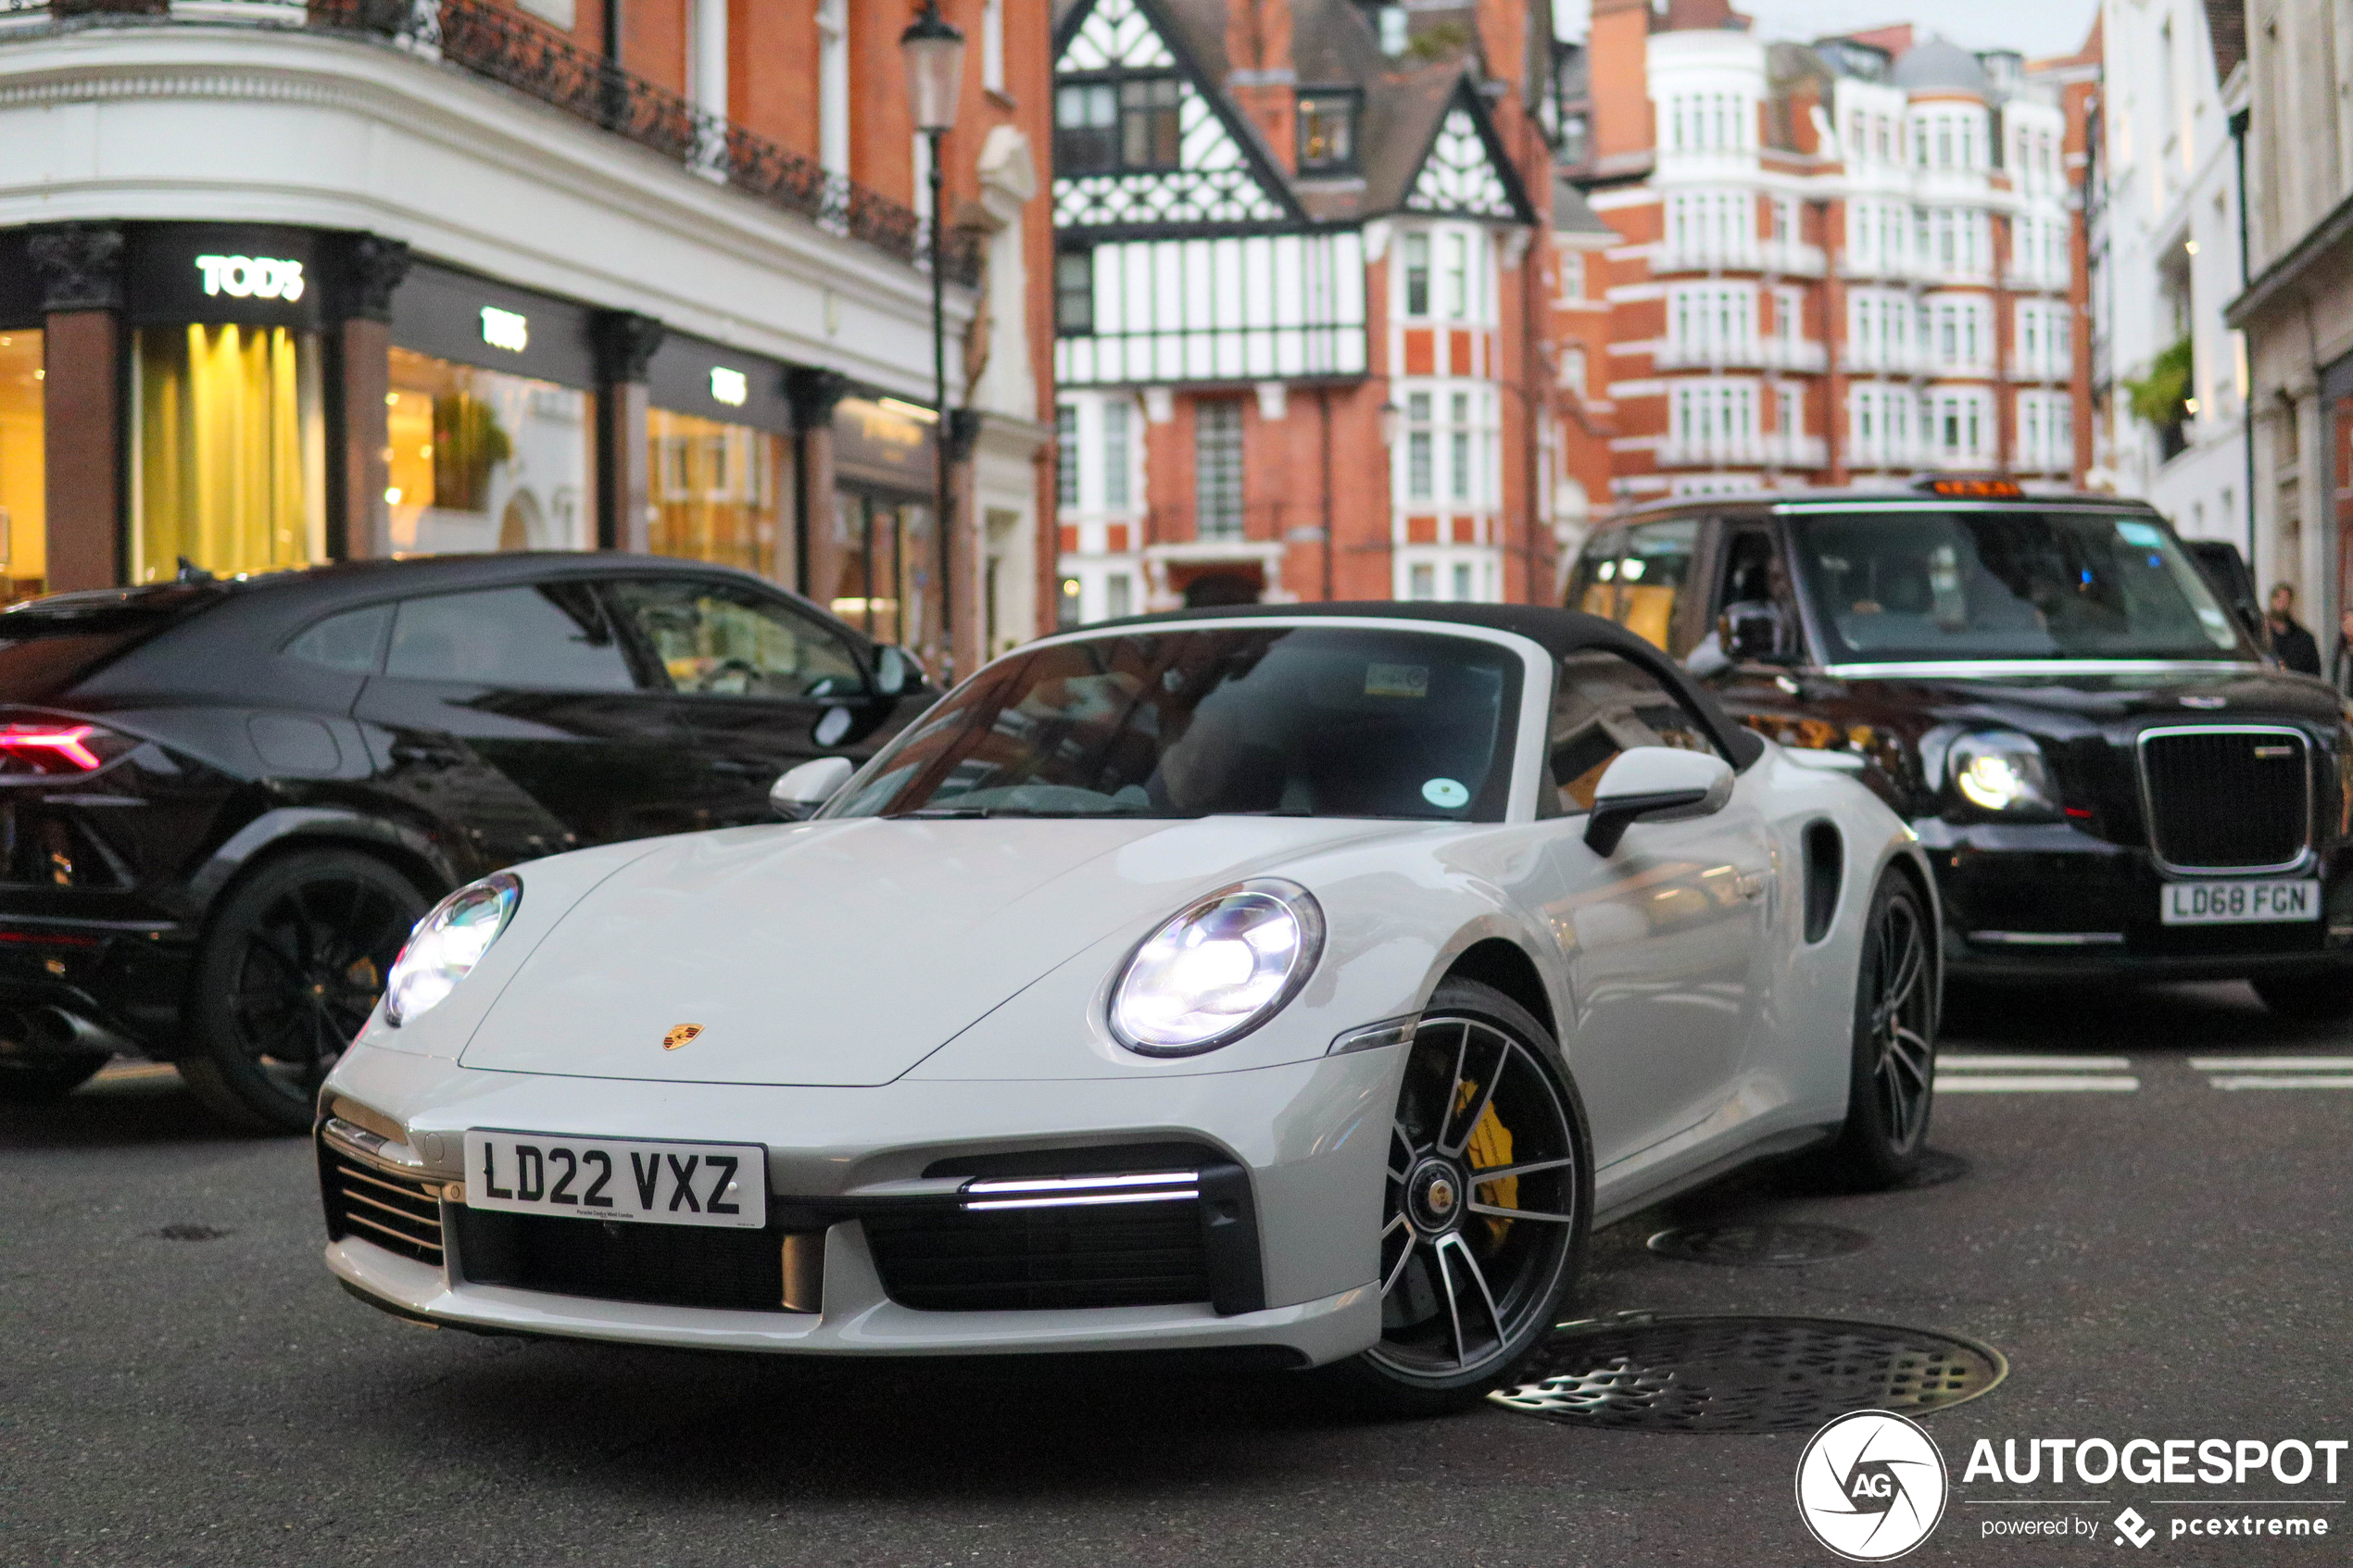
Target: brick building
[
  {"x": 1838, "y": 264},
  {"x": 285, "y": 283},
  {"x": 1304, "y": 292}
]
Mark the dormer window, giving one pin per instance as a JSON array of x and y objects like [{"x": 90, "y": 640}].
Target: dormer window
[
  {"x": 1118, "y": 125},
  {"x": 1326, "y": 131}
]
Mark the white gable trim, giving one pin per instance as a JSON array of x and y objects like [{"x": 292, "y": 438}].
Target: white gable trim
[{"x": 1458, "y": 176}]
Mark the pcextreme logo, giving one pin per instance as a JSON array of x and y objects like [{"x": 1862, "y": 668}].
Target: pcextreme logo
[{"x": 1870, "y": 1486}]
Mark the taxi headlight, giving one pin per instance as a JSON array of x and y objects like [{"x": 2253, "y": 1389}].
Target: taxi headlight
[
  {"x": 1218, "y": 969},
  {"x": 446, "y": 945},
  {"x": 2002, "y": 771}
]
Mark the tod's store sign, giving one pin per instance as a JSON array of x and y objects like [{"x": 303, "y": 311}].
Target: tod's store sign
[{"x": 218, "y": 273}]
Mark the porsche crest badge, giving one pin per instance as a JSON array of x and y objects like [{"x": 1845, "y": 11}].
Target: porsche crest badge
[{"x": 684, "y": 1034}]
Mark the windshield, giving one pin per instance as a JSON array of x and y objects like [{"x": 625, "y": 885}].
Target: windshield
[
  {"x": 1324, "y": 721},
  {"x": 2007, "y": 584}
]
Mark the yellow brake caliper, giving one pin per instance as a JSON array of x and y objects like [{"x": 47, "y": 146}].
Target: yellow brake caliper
[{"x": 1490, "y": 1148}]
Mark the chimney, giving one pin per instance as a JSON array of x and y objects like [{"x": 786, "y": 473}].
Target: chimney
[
  {"x": 1260, "y": 76},
  {"x": 1617, "y": 50}
]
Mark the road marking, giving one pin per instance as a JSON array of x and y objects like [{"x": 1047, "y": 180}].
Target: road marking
[
  {"x": 2034, "y": 1084},
  {"x": 2298, "y": 1081},
  {"x": 2272, "y": 1064},
  {"x": 1974, "y": 1060}
]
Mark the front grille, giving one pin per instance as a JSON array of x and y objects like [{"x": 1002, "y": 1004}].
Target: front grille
[
  {"x": 2227, "y": 800},
  {"x": 615, "y": 1260},
  {"x": 398, "y": 1214},
  {"x": 1118, "y": 1255}
]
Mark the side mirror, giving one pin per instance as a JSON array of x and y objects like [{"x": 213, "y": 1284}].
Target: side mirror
[
  {"x": 802, "y": 791},
  {"x": 1654, "y": 783},
  {"x": 896, "y": 671},
  {"x": 1750, "y": 630}
]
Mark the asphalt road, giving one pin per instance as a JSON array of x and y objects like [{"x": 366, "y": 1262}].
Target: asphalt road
[{"x": 183, "y": 1383}]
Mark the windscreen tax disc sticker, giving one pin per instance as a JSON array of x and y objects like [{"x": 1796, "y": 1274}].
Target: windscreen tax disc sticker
[
  {"x": 1397, "y": 680},
  {"x": 1445, "y": 793}
]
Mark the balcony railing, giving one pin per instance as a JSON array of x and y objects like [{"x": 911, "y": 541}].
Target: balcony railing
[
  {"x": 1772, "y": 449},
  {"x": 1765, "y": 353},
  {"x": 492, "y": 42},
  {"x": 1790, "y": 258}
]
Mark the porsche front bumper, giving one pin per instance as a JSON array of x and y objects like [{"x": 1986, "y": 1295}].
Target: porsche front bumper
[{"x": 1301, "y": 1148}]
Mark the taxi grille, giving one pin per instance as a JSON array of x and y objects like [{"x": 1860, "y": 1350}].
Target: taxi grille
[
  {"x": 2227, "y": 800},
  {"x": 610, "y": 1260},
  {"x": 398, "y": 1214},
  {"x": 1142, "y": 1255}
]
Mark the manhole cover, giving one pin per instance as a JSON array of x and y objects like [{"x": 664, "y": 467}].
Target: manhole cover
[
  {"x": 1936, "y": 1169},
  {"x": 1765, "y": 1246},
  {"x": 1642, "y": 1371}
]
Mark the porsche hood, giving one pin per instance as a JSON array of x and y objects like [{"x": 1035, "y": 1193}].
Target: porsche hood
[{"x": 841, "y": 954}]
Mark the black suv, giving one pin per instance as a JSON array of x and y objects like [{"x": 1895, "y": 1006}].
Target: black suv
[
  {"x": 2112, "y": 780},
  {"x": 224, "y": 803}
]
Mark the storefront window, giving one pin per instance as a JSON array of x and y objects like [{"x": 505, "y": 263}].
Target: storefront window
[
  {"x": 884, "y": 548},
  {"x": 231, "y": 450},
  {"x": 483, "y": 460},
  {"x": 719, "y": 494},
  {"x": 23, "y": 483}
]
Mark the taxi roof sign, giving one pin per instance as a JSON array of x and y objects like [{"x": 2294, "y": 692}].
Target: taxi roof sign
[{"x": 1979, "y": 489}]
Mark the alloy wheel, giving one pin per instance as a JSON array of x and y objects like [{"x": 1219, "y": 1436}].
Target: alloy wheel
[
  {"x": 307, "y": 975},
  {"x": 1900, "y": 1019},
  {"x": 1482, "y": 1211}
]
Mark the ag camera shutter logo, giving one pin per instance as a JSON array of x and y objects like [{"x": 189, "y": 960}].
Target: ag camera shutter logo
[
  {"x": 1871, "y": 1486},
  {"x": 251, "y": 277}
]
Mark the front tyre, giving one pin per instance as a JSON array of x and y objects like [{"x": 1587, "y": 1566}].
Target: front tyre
[
  {"x": 1486, "y": 1205},
  {"x": 1892, "y": 1087},
  {"x": 292, "y": 964}
]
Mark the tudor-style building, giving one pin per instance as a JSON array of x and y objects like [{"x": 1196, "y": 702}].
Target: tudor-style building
[{"x": 1301, "y": 295}]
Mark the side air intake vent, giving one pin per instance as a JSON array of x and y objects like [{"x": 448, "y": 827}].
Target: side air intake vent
[{"x": 1825, "y": 864}]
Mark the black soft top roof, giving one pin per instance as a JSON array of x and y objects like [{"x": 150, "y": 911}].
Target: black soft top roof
[{"x": 1559, "y": 632}]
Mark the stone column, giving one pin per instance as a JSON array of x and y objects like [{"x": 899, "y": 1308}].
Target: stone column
[
  {"x": 360, "y": 518},
  {"x": 625, "y": 346},
  {"x": 816, "y": 561},
  {"x": 81, "y": 355}
]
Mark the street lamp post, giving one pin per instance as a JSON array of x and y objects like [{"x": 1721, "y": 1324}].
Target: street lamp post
[{"x": 934, "y": 54}]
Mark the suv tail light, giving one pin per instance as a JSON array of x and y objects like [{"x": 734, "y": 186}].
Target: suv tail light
[{"x": 58, "y": 748}]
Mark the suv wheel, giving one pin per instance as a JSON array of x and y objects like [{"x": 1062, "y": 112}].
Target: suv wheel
[{"x": 292, "y": 965}]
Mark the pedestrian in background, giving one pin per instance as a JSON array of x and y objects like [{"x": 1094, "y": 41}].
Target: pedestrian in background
[
  {"x": 2341, "y": 662},
  {"x": 2291, "y": 643}
]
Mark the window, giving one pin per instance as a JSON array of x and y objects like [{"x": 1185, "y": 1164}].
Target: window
[
  {"x": 720, "y": 494},
  {"x": 833, "y": 85},
  {"x": 992, "y": 45},
  {"x": 1789, "y": 413},
  {"x": 1116, "y": 415},
  {"x": 554, "y": 637},
  {"x": 1572, "y": 265},
  {"x": 1636, "y": 577},
  {"x": 1573, "y": 370},
  {"x": 1075, "y": 292},
  {"x": 231, "y": 472},
  {"x": 1462, "y": 580},
  {"x": 1217, "y": 467},
  {"x": 1067, "y": 454},
  {"x": 1424, "y": 582},
  {"x": 483, "y": 460},
  {"x": 352, "y": 641},
  {"x": 1417, "y": 274},
  {"x": 1420, "y": 482},
  {"x": 23, "y": 472},
  {"x": 719, "y": 640},
  {"x": 1394, "y": 35},
  {"x": 1119, "y": 595},
  {"x": 1785, "y": 220},
  {"x": 1605, "y": 704},
  {"x": 1148, "y": 123},
  {"x": 1086, "y": 129},
  {"x": 1458, "y": 466},
  {"x": 1458, "y": 276},
  {"x": 1326, "y": 131}
]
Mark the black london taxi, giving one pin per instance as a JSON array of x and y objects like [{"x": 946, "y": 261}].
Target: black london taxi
[{"x": 2113, "y": 780}]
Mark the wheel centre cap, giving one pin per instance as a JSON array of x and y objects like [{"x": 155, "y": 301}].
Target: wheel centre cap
[{"x": 1436, "y": 1194}]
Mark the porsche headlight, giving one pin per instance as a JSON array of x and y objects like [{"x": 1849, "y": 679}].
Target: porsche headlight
[
  {"x": 1218, "y": 970},
  {"x": 447, "y": 944},
  {"x": 2002, "y": 771}
]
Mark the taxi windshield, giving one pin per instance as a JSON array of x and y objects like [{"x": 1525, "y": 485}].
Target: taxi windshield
[
  {"x": 1265, "y": 720},
  {"x": 2007, "y": 583}
]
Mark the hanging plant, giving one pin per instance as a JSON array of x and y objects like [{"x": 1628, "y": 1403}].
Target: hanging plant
[{"x": 2162, "y": 397}]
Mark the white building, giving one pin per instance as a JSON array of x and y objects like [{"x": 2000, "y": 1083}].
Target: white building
[{"x": 2168, "y": 261}]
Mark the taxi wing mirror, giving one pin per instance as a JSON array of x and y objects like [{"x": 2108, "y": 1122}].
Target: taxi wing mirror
[
  {"x": 1750, "y": 631},
  {"x": 1654, "y": 783},
  {"x": 805, "y": 788}
]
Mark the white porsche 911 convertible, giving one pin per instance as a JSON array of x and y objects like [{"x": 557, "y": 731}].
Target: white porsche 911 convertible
[{"x": 1306, "y": 982}]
